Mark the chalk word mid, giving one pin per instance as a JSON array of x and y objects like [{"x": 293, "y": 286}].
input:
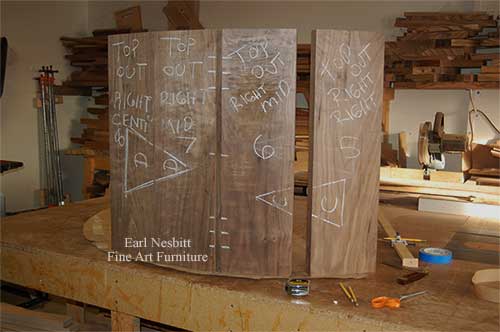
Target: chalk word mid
[{"x": 279, "y": 95}]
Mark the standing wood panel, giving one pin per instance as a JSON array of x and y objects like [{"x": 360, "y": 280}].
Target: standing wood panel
[
  {"x": 185, "y": 131},
  {"x": 164, "y": 135},
  {"x": 254, "y": 236},
  {"x": 345, "y": 152},
  {"x": 130, "y": 59}
]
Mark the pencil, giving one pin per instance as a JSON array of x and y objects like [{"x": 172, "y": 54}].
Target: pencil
[
  {"x": 346, "y": 292},
  {"x": 353, "y": 296}
]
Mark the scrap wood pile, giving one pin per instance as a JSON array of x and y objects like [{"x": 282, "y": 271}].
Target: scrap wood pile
[{"x": 444, "y": 50}]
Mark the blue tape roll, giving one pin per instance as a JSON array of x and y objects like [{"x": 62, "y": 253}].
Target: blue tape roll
[{"x": 435, "y": 255}]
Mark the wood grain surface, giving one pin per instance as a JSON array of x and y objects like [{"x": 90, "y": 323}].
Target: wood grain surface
[
  {"x": 345, "y": 152},
  {"x": 202, "y": 132},
  {"x": 163, "y": 174},
  {"x": 131, "y": 82},
  {"x": 257, "y": 145}
]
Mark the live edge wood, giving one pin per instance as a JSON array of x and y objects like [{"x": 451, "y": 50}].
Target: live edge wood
[
  {"x": 347, "y": 88},
  {"x": 203, "y": 148}
]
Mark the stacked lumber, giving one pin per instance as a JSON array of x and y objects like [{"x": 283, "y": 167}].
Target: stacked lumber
[
  {"x": 96, "y": 134},
  {"x": 442, "y": 50},
  {"x": 13, "y": 318},
  {"x": 90, "y": 56}
]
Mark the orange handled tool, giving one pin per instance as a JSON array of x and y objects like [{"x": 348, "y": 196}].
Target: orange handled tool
[{"x": 391, "y": 302}]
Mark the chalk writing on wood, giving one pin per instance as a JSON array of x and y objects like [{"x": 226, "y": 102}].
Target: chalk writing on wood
[
  {"x": 258, "y": 112},
  {"x": 345, "y": 120}
]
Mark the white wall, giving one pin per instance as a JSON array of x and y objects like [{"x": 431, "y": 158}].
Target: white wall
[
  {"x": 33, "y": 30},
  {"x": 410, "y": 107}
]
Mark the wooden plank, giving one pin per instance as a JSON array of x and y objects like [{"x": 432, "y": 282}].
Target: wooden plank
[
  {"x": 464, "y": 42},
  {"x": 163, "y": 179},
  {"x": 28, "y": 320},
  {"x": 121, "y": 322},
  {"x": 131, "y": 155},
  {"x": 407, "y": 259},
  {"x": 257, "y": 150},
  {"x": 418, "y": 174},
  {"x": 434, "y": 35},
  {"x": 345, "y": 122},
  {"x": 450, "y": 15},
  {"x": 486, "y": 181},
  {"x": 486, "y": 56},
  {"x": 495, "y": 172},
  {"x": 490, "y": 69},
  {"x": 459, "y": 208},
  {"x": 473, "y": 193},
  {"x": 187, "y": 131},
  {"x": 488, "y": 77}
]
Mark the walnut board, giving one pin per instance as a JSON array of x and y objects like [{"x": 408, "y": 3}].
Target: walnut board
[
  {"x": 201, "y": 126},
  {"x": 258, "y": 133},
  {"x": 347, "y": 86}
]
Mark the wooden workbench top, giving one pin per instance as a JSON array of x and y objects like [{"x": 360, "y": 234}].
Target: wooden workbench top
[{"x": 46, "y": 250}]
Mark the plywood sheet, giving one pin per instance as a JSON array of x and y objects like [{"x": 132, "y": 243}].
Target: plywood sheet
[
  {"x": 345, "y": 149},
  {"x": 257, "y": 145}
]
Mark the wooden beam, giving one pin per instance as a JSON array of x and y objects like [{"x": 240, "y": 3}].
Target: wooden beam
[{"x": 407, "y": 259}]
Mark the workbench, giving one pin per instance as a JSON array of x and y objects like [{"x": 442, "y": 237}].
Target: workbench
[{"x": 45, "y": 250}]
